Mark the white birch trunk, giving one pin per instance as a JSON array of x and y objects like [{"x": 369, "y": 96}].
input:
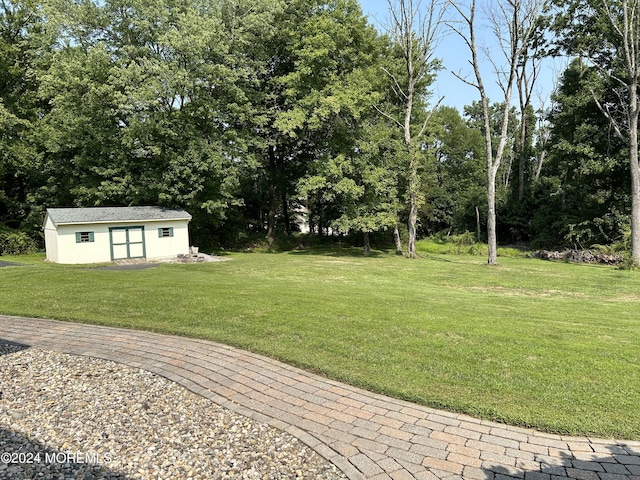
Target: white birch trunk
[{"x": 635, "y": 173}]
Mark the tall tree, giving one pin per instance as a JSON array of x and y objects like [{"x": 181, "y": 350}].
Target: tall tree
[
  {"x": 24, "y": 43},
  {"x": 607, "y": 34},
  {"x": 528, "y": 70},
  {"x": 513, "y": 24},
  {"x": 581, "y": 195},
  {"x": 414, "y": 34},
  {"x": 148, "y": 104},
  {"x": 459, "y": 173},
  {"x": 307, "y": 97},
  {"x": 542, "y": 134},
  {"x": 361, "y": 182}
]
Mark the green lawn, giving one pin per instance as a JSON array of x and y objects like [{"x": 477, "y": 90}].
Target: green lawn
[{"x": 549, "y": 345}]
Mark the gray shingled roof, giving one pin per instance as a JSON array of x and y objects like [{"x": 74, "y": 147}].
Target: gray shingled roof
[{"x": 61, "y": 216}]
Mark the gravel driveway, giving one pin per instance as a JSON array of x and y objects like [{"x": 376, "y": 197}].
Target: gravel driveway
[{"x": 63, "y": 416}]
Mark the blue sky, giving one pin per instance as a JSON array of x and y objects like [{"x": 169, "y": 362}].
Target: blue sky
[{"x": 455, "y": 56}]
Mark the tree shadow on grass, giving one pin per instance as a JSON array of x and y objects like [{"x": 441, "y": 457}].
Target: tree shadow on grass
[
  {"x": 608, "y": 460},
  {"x": 133, "y": 266},
  {"x": 438, "y": 257},
  {"x": 10, "y": 264},
  {"x": 352, "y": 252}
]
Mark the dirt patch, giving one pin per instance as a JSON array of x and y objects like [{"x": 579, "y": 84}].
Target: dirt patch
[
  {"x": 524, "y": 292},
  {"x": 195, "y": 258},
  {"x": 142, "y": 264},
  {"x": 628, "y": 298}
]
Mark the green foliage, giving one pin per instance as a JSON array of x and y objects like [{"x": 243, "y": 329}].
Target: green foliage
[
  {"x": 311, "y": 96},
  {"x": 131, "y": 118},
  {"x": 465, "y": 239},
  {"x": 460, "y": 173},
  {"x": 247, "y": 112},
  {"x": 25, "y": 43},
  {"x": 461, "y": 244},
  {"x": 440, "y": 246},
  {"x": 622, "y": 247},
  {"x": 582, "y": 196},
  {"x": 14, "y": 242},
  {"x": 361, "y": 185},
  {"x": 599, "y": 32}
]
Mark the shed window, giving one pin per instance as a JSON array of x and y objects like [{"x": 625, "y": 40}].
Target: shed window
[
  {"x": 165, "y": 232},
  {"x": 84, "y": 237}
]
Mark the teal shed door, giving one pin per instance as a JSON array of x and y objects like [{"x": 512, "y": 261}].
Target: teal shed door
[{"x": 127, "y": 242}]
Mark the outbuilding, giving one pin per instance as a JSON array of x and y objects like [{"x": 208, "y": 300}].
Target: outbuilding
[{"x": 106, "y": 234}]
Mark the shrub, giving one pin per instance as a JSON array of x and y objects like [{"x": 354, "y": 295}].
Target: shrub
[
  {"x": 512, "y": 252},
  {"x": 465, "y": 239},
  {"x": 478, "y": 249},
  {"x": 463, "y": 244},
  {"x": 13, "y": 242}
]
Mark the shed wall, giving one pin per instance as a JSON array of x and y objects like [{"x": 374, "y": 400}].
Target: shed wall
[
  {"x": 66, "y": 249},
  {"x": 51, "y": 241},
  {"x": 168, "y": 246},
  {"x": 98, "y": 251}
]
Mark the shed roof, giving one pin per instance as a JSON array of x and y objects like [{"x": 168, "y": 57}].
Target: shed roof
[{"x": 65, "y": 216}]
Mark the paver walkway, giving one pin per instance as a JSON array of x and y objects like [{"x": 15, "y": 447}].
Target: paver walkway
[{"x": 366, "y": 435}]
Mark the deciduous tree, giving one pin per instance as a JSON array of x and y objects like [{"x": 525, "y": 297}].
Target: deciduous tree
[
  {"x": 414, "y": 34},
  {"x": 607, "y": 34},
  {"x": 24, "y": 43},
  {"x": 459, "y": 173},
  {"x": 513, "y": 24},
  {"x": 584, "y": 176}
]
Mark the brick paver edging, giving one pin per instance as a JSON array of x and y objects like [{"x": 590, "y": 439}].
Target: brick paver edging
[{"x": 367, "y": 436}]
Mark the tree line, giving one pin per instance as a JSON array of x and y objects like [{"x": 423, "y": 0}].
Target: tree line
[{"x": 249, "y": 113}]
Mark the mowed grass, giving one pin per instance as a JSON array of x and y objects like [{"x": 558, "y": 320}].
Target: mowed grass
[{"x": 553, "y": 346}]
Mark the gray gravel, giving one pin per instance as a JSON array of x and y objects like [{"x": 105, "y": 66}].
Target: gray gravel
[{"x": 68, "y": 417}]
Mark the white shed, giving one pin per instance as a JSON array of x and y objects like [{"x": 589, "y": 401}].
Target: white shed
[{"x": 105, "y": 234}]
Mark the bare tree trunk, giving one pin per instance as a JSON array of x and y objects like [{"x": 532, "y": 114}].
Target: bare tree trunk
[
  {"x": 413, "y": 168},
  {"x": 633, "y": 113},
  {"x": 513, "y": 24},
  {"x": 413, "y": 218},
  {"x": 543, "y": 155},
  {"x": 631, "y": 50},
  {"x": 493, "y": 163},
  {"x": 525, "y": 82},
  {"x": 413, "y": 205},
  {"x": 543, "y": 140},
  {"x": 492, "y": 237},
  {"x": 271, "y": 217},
  {"x": 396, "y": 240},
  {"x": 478, "y": 239},
  {"x": 507, "y": 174},
  {"x": 285, "y": 211},
  {"x": 635, "y": 209},
  {"x": 366, "y": 249},
  {"x": 415, "y": 33},
  {"x": 635, "y": 171},
  {"x": 521, "y": 155},
  {"x": 623, "y": 18},
  {"x": 635, "y": 204}
]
